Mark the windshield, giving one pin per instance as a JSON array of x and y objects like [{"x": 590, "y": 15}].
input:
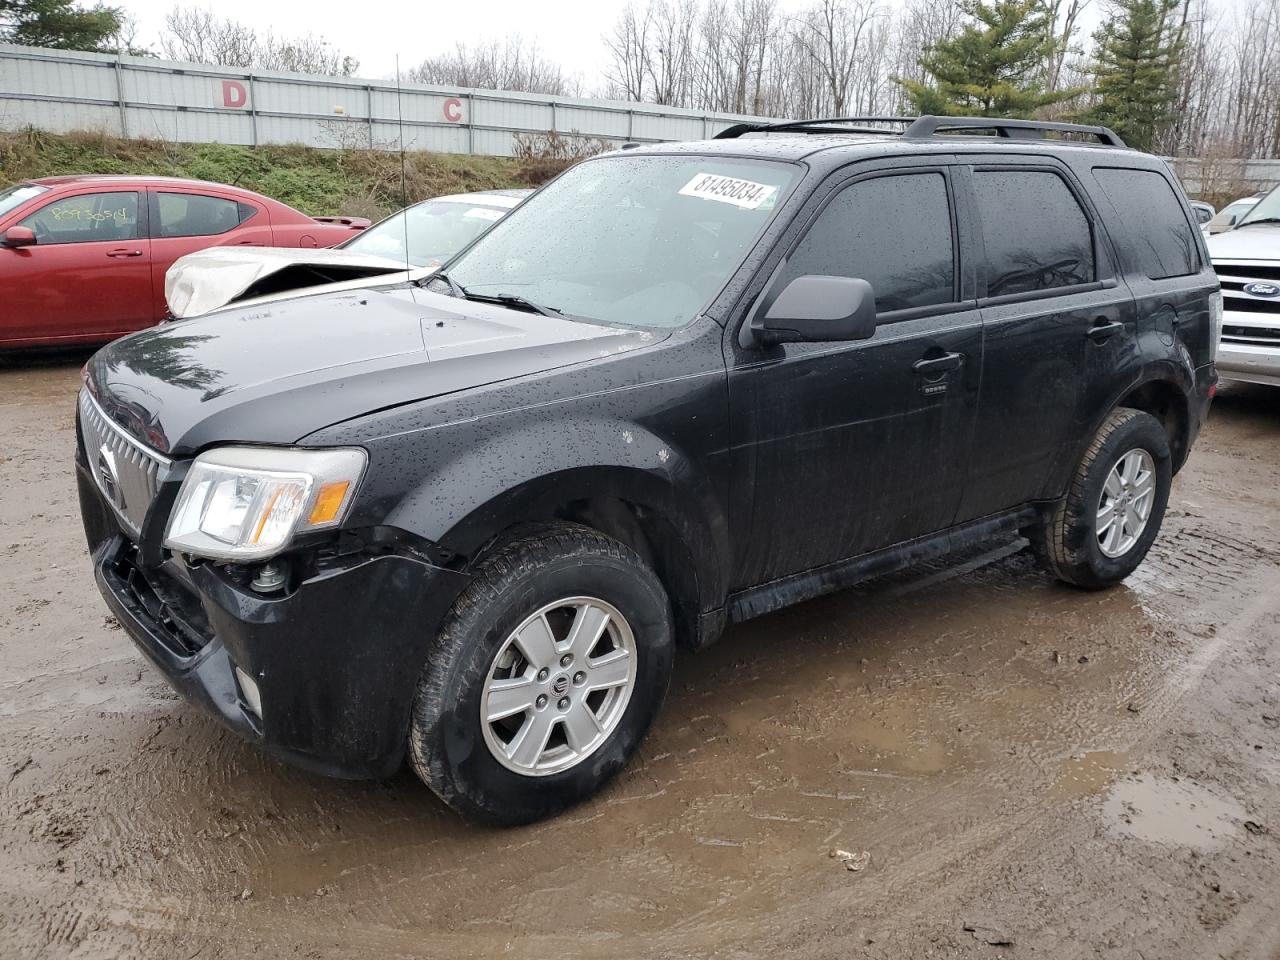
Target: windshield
[
  {"x": 437, "y": 229},
  {"x": 17, "y": 195},
  {"x": 638, "y": 241},
  {"x": 1268, "y": 208}
]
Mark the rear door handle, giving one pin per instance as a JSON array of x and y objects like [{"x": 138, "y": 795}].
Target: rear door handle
[
  {"x": 122, "y": 252},
  {"x": 1104, "y": 329},
  {"x": 937, "y": 365}
]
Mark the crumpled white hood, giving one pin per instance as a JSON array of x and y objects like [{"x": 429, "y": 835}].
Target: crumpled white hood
[{"x": 213, "y": 278}]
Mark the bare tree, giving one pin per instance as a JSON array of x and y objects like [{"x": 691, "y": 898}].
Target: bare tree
[
  {"x": 199, "y": 35},
  {"x": 509, "y": 64}
]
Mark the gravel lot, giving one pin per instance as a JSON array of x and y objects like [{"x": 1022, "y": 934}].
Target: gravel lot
[{"x": 1081, "y": 774}]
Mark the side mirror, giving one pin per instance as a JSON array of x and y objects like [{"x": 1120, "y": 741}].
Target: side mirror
[
  {"x": 1231, "y": 220},
  {"x": 817, "y": 309},
  {"x": 19, "y": 237}
]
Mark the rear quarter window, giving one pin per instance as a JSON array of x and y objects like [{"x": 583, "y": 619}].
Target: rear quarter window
[{"x": 1160, "y": 237}]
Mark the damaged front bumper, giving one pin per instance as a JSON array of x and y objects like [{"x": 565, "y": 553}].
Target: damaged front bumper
[{"x": 334, "y": 658}]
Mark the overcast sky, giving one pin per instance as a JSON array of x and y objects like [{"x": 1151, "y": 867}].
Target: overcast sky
[{"x": 568, "y": 32}]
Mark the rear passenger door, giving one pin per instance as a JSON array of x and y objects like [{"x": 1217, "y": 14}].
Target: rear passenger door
[
  {"x": 184, "y": 221},
  {"x": 1049, "y": 297},
  {"x": 848, "y": 447}
]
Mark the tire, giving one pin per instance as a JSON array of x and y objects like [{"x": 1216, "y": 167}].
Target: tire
[
  {"x": 456, "y": 753},
  {"x": 1067, "y": 540}
]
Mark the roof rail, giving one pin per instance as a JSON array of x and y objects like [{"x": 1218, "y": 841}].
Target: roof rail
[
  {"x": 926, "y": 126},
  {"x": 930, "y": 126},
  {"x": 823, "y": 125}
]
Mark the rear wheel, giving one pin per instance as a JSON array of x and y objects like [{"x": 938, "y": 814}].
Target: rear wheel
[
  {"x": 1112, "y": 513},
  {"x": 545, "y": 677}
]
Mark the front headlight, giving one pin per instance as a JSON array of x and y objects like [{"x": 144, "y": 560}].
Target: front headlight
[{"x": 246, "y": 503}]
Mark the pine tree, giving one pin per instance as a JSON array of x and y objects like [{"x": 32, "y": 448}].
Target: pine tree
[
  {"x": 1139, "y": 51},
  {"x": 58, "y": 23},
  {"x": 993, "y": 67}
]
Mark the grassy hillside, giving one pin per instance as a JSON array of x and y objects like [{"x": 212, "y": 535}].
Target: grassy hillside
[{"x": 317, "y": 182}]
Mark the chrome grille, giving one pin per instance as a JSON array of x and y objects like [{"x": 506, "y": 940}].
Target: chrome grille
[
  {"x": 128, "y": 474},
  {"x": 1234, "y": 277}
]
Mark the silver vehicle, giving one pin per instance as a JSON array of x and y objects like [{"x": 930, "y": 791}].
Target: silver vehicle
[
  {"x": 412, "y": 243},
  {"x": 1247, "y": 259}
]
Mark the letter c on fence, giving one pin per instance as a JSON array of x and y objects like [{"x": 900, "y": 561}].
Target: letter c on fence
[
  {"x": 234, "y": 94},
  {"x": 453, "y": 110}
]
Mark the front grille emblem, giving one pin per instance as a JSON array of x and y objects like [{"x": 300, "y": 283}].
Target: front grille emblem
[
  {"x": 107, "y": 475},
  {"x": 1262, "y": 289}
]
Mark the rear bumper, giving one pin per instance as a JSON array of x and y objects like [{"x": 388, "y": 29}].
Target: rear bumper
[{"x": 336, "y": 659}]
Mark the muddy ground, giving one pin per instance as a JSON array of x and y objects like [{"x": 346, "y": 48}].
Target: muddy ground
[{"x": 1082, "y": 774}]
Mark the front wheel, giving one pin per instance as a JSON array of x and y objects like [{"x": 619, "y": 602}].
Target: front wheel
[
  {"x": 545, "y": 677},
  {"x": 1099, "y": 533}
]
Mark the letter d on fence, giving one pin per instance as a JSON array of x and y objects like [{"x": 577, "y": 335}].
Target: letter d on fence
[{"x": 234, "y": 94}]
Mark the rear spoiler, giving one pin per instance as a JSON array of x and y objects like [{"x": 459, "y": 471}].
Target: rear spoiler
[{"x": 355, "y": 223}]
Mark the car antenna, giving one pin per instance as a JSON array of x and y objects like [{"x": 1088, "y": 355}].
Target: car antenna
[{"x": 404, "y": 189}]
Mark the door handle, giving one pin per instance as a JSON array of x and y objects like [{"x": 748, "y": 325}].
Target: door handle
[
  {"x": 938, "y": 365},
  {"x": 121, "y": 252},
  {"x": 1104, "y": 329}
]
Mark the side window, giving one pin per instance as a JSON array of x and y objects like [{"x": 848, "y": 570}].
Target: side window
[
  {"x": 1037, "y": 236},
  {"x": 197, "y": 215},
  {"x": 894, "y": 232},
  {"x": 1151, "y": 217},
  {"x": 109, "y": 217}
]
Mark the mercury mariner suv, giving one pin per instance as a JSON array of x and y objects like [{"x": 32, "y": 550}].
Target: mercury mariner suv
[{"x": 467, "y": 521}]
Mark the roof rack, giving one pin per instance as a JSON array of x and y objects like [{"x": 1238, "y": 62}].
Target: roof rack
[
  {"x": 825, "y": 125},
  {"x": 928, "y": 126}
]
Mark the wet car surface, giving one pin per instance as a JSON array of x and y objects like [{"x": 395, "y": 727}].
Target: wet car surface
[{"x": 1083, "y": 774}]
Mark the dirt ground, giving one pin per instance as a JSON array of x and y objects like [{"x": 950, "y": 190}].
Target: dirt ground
[{"x": 1069, "y": 774}]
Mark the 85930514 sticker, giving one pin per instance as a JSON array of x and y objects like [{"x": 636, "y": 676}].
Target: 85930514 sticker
[{"x": 740, "y": 193}]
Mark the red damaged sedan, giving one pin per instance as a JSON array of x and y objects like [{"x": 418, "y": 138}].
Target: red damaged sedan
[{"x": 82, "y": 259}]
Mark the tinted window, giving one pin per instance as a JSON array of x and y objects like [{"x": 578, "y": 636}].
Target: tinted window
[
  {"x": 893, "y": 232},
  {"x": 1036, "y": 235},
  {"x": 85, "y": 218},
  {"x": 197, "y": 215},
  {"x": 1152, "y": 220}
]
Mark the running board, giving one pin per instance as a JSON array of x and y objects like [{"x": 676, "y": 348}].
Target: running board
[{"x": 776, "y": 594}]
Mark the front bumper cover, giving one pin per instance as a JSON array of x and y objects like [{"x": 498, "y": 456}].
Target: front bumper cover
[{"x": 336, "y": 659}]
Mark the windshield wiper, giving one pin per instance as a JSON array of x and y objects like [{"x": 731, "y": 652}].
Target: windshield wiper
[
  {"x": 1250, "y": 223},
  {"x": 513, "y": 301}
]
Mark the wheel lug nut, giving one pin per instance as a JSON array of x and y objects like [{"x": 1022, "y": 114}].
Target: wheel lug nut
[
  {"x": 579, "y": 678},
  {"x": 564, "y": 703},
  {"x": 541, "y": 701},
  {"x": 544, "y": 673},
  {"x": 566, "y": 660}
]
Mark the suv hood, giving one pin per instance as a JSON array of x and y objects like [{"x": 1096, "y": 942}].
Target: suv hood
[
  {"x": 279, "y": 372},
  {"x": 1261, "y": 242}
]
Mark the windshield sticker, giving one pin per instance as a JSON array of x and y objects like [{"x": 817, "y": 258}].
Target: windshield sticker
[
  {"x": 740, "y": 193},
  {"x": 485, "y": 213}
]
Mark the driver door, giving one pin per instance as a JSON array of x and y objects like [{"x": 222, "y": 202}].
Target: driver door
[
  {"x": 850, "y": 447},
  {"x": 88, "y": 275}
]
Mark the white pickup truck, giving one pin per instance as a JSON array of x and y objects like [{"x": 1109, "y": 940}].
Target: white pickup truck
[{"x": 1247, "y": 259}]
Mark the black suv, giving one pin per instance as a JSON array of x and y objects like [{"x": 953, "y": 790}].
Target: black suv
[{"x": 680, "y": 386}]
